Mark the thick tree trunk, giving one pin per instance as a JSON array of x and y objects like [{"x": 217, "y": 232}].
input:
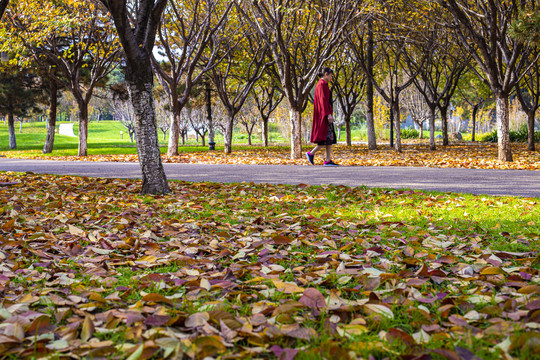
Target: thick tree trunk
[
  {"x": 11, "y": 126},
  {"x": 397, "y": 126},
  {"x": 348, "y": 129},
  {"x": 229, "y": 134},
  {"x": 3, "y": 6},
  {"x": 530, "y": 128},
  {"x": 83, "y": 128},
  {"x": 51, "y": 127},
  {"x": 296, "y": 134},
  {"x": 203, "y": 140},
  {"x": 265, "y": 131},
  {"x": 174, "y": 136},
  {"x": 432, "y": 129},
  {"x": 370, "y": 123},
  {"x": 140, "y": 81},
  {"x": 503, "y": 127},
  {"x": 444, "y": 120},
  {"x": 421, "y": 131},
  {"x": 474, "y": 112}
]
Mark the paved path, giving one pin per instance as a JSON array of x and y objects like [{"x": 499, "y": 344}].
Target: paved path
[{"x": 493, "y": 182}]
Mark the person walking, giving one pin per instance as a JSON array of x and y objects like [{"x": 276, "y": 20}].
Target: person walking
[{"x": 322, "y": 132}]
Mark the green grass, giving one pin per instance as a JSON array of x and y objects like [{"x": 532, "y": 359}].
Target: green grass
[
  {"x": 355, "y": 219},
  {"x": 103, "y": 139}
]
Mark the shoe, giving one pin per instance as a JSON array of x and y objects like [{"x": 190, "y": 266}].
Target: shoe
[
  {"x": 330, "y": 163},
  {"x": 310, "y": 158}
]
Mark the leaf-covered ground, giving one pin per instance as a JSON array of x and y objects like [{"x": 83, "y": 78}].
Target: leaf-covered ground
[
  {"x": 460, "y": 155},
  {"x": 90, "y": 269}
]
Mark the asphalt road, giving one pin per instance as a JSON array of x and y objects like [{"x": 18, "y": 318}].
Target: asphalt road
[{"x": 492, "y": 182}]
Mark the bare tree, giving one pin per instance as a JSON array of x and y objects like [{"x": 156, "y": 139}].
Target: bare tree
[
  {"x": 302, "y": 36},
  {"x": 475, "y": 93},
  {"x": 189, "y": 29},
  {"x": 395, "y": 37},
  {"x": 528, "y": 91},
  {"x": 199, "y": 123},
  {"x": 122, "y": 108},
  {"x": 136, "y": 24},
  {"x": 163, "y": 115},
  {"x": 440, "y": 75},
  {"x": 348, "y": 86},
  {"x": 483, "y": 29},
  {"x": 235, "y": 77},
  {"x": 267, "y": 96},
  {"x": 248, "y": 117},
  {"x": 415, "y": 104}
]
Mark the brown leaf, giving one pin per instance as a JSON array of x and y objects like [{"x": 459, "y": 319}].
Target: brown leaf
[
  {"x": 157, "y": 298},
  {"x": 197, "y": 319},
  {"x": 303, "y": 333},
  {"x": 401, "y": 335},
  {"x": 313, "y": 299},
  {"x": 208, "y": 346},
  {"x": 281, "y": 240}
]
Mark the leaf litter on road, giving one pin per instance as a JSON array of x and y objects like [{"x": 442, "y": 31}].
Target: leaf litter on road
[{"x": 91, "y": 269}]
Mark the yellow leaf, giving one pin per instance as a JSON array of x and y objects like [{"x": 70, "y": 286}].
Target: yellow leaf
[
  {"x": 287, "y": 288},
  {"x": 491, "y": 270}
]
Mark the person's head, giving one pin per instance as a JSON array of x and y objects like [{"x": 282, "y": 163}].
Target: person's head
[{"x": 327, "y": 74}]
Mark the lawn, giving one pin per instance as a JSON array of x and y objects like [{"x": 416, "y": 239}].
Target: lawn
[
  {"x": 104, "y": 138},
  {"x": 92, "y": 269}
]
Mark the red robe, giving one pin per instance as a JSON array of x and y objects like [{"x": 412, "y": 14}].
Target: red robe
[{"x": 321, "y": 109}]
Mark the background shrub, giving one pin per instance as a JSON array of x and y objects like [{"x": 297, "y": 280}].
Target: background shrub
[
  {"x": 515, "y": 136},
  {"x": 409, "y": 133}
]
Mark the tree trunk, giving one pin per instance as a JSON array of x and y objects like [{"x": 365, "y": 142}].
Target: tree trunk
[
  {"x": 265, "y": 131},
  {"x": 229, "y": 134},
  {"x": 203, "y": 139},
  {"x": 11, "y": 126},
  {"x": 503, "y": 127},
  {"x": 51, "y": 127},
  {"x": 249, "y": 137},
  {"x": 422, "y": 131},
  {"x": 348, "y": 129},
  {"x": 432, "y": 129},
  {"x": 140, "y": 81},
  {"x": 444, "y": 121},
  {"x": 474, "y": 112},
  {"x": 397, "y": 125},
  {"x": 172, "y": 149},
  {"x": 296, "y": 134},
  {"x": 83, "y": 128},
  {"x": 372, "y": 139},
  {"x": 530, "y": 124}
]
